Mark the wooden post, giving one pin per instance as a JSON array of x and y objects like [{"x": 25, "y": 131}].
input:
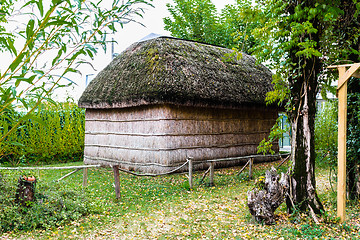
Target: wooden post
[
  {"x": 250, "y": 167},
  {"x": 212, "y": 171},
  {"x": 344, "y": 76},
  {"x": 341, "y": 194},
  {"x": 85, "y": 177},
  {"x": 190, "y": 173},
  {"x": 117, "y": 181}
]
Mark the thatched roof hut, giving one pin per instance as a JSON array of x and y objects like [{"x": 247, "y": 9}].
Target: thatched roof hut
[{"x": 166, "y": 99}]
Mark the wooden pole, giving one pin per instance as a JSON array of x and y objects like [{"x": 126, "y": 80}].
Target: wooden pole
[
  {"x": 65, "y": 176},
  {"x": 117, "y": 181},
  {"x": 247, "y": 163},
  {"x": 341, "y": 193},
  {"x": 190, "y": 173},
  {"x": 250, "y": 167},
  {"x": 85, "y": 177},
  {"x": 212, "y": 171}
]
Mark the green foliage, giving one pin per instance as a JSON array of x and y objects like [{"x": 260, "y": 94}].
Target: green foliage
[
  {"x": 353, "y": 138},
  {"x": 326, "y": 128},
  {"x": 277, "y": 132},
  {"x": 51, "y": 41},
  {"x": 54, "y": 206},
  {"x": 53, "y": 133},
  {"x": 199, "y": 20}
]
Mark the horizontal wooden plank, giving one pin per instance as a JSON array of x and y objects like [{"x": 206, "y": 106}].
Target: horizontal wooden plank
[
  {"x": 171, "y": 134},
  {"x": 171, "y": 149}
]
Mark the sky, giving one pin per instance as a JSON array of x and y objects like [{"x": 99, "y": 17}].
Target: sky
[{"x": 132, "y": 32}]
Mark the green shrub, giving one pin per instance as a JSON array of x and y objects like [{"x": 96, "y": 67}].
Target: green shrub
[
  {"x": 326, "y": 128},
  {"x": 54, "y": 206},
  {"x": 53, "y": 133}
]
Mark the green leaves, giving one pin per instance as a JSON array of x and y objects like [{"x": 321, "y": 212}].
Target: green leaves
[
  {"x": 30, "y": 32},
  {"x": 199, "y": 20},
  {"x": 54, "y": 38},
  {"x": 17, "y": 61}
]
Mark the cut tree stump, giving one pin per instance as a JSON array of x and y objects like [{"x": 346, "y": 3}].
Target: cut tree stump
[
  {"x": 263, "y": 202},
  {"x": 25, "y": 191}
]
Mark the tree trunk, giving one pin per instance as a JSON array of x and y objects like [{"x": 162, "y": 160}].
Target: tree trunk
[
  {"x": 264, "y": 199},
  {"x": 302, "y": 179},
  {"x": 303, "y": 90}
]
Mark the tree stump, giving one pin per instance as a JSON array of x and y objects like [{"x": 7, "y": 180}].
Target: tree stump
[
  {"x": 25, "y": 191},
  {"x": 270, "y": 192}
]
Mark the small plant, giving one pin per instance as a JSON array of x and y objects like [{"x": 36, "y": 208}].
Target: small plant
[
  {"x": 310, "y": 231},
  {"x": 53, "y": 206}
]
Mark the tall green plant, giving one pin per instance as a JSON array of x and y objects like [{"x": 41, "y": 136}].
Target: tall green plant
[
  {"x": 55, "y": 135},
  {"x": 326, "y": 127}
]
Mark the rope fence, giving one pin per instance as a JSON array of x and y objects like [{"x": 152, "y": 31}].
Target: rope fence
[{"x": 189, "y": 161}]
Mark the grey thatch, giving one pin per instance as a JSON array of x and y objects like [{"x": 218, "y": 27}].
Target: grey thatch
[
  {"x": 167, "y": 70},
  {"x": 166, "y": 99}
]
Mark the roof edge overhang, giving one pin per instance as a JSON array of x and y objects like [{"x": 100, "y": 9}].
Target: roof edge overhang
[{"x": 104, "y": 105}]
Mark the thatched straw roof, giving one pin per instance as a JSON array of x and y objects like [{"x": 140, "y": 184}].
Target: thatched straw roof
[{"x": 167, "y": 70}]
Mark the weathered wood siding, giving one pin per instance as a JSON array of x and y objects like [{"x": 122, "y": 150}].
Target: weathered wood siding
[{"x": 160, "y": 137}]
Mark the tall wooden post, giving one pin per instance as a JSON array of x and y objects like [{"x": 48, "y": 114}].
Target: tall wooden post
[
  {"x": 250, "y": 168},
  {"x": 116, "y": 181},
  {"x": 85, "y": 177},
  {"x": 212, "y": 172},
  {"x": 344, "y": 76},
  {"x": 341, "y": 194},
  {"x": 190, "y": 173}
]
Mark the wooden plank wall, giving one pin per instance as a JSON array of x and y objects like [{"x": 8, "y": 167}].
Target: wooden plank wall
[{"x": 163, "y": 136}]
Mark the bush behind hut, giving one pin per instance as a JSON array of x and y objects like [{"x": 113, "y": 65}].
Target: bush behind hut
[{"x": 54, "y": 134}]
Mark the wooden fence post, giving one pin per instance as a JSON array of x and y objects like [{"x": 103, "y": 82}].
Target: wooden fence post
[
  {"x": 212, "y": 170},
  {"x": 341, "y": 194},
  {"x": 190, "y": 173},
  {"x": 117, "y": 181},
  {"x": 250, "y": 168},
  {"x": 85, "y": 177}
]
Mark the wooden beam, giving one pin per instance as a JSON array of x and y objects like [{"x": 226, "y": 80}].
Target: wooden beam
[
  {"x": 65, "y": 176},
  {"x": 344, "y": 77},
  {"x": 247, "y": 163},
  {"x": 341, "y": 65},
  {"x": 342, "y": 95}
]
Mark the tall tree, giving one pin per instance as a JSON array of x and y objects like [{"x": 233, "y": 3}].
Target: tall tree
[
  {"x": 299, "y": 38},
  {"x": 199, "y": 20}
]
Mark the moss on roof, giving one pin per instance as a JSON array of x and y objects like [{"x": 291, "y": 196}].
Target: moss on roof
[{"x": 174, "y": 71}]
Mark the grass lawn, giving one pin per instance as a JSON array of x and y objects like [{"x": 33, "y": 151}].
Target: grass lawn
[{"x": 164, "y": 208}]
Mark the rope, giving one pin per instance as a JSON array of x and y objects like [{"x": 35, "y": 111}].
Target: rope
[
  {"x": 239, "y": 158},
  {"x": 50, "y": 168},
  {"x": 116, "y": 162},
  {"x": 153, "y": 174}
]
